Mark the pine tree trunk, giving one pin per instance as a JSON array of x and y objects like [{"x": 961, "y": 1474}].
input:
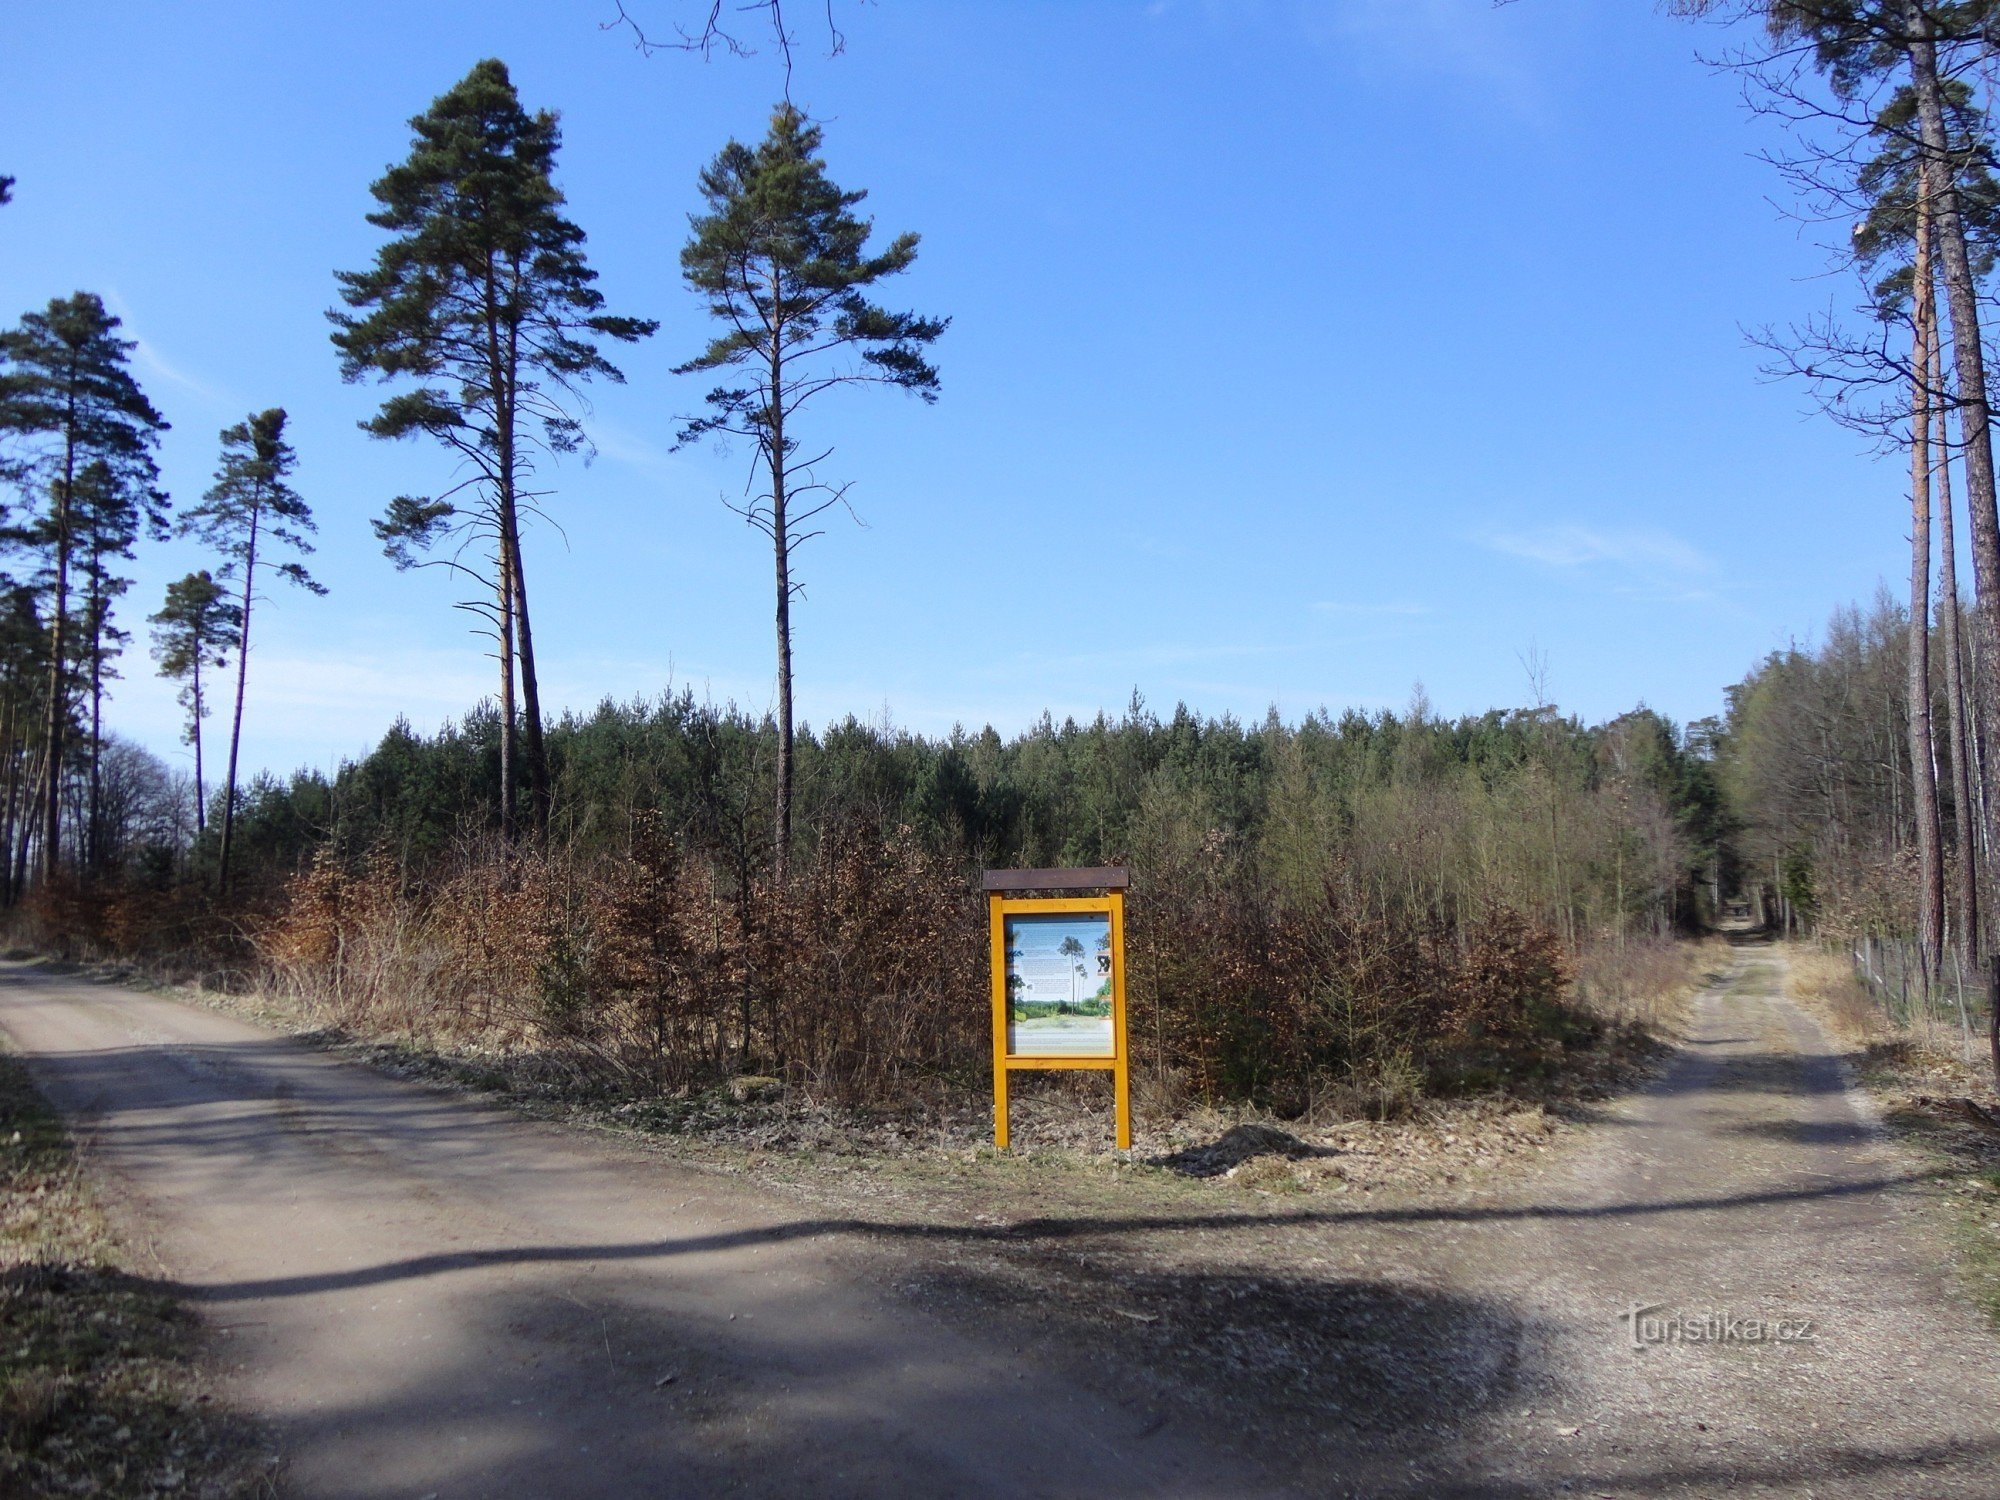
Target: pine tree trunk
[
  {"x": 502, "y": 368},
  {"x": 506, "y": 372},
  {"x": 1923, "y": 766},
  {"x": 236, "y": 719},
  {"x": 1975, "y": 416},
  {"x": 93, "y": 818},
  {"x": 781, "y": 834},
  {"x": 10, "y": 800},
  {"x": 504, "y": 592},
  {"x": 1975, "y": 748},
  {"x": 534, "y": 747},
  {"x": 1965, "y": 811},
  {"x": 200, "y": 811},
  {"x": 58, "y": 705},
  {"x": 30, "y": 815}
]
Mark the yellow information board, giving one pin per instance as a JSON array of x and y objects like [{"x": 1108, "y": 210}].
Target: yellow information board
[{"x": 1058, "y": 980}]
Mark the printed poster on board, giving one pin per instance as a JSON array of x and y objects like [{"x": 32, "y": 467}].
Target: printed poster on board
[{"x": 1059, "y": 985}]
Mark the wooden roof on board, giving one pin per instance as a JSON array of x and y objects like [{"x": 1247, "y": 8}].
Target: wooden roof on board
[{"x": 1099, "y": 878}]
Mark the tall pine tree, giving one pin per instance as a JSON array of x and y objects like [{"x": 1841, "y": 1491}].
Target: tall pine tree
[
  {"x": 782, "y": 260},
  {"x": 193, "y": 630},
  {"x": 109, "y": 514},
  {"x": 66, "y": 390},
  {"x": 251, "y": 508},
  {"x": 484, "y": 300}
]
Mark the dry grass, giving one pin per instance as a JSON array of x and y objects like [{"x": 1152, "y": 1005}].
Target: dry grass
[
  {"x": 100, "y": 1393},
  {"x": 1647, "y": 981},
  {"x": 1825, "y": 984},
  {"x": 1936, "y": 1093}
]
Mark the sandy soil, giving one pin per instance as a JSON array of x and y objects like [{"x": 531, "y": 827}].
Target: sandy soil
[{"x": 426, "y": 1296}]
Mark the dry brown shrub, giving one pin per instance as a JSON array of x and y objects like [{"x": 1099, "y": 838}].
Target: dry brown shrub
[
  {"x": 172, "y": 932},
  {"x": 860, "y": 978},
  {"x": 863, "y": 979},
  {"x": 345, "y": 944},
  {"x": 874, "y": 966},
  {"x": 1288, "y": 1004},
  {"x": 63, "y": 918}
]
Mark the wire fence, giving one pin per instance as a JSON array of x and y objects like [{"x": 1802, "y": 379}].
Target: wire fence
[{"x": 1953, "y": 1000}]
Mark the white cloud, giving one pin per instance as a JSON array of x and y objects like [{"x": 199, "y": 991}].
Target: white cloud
[
  {"x": 623, "y": 446},
  {"x": 147, "y": 356},
  {"x": 1579, "y": 548},
  {"x": 1165, "y": 655},
  {"x": 311, "y": 708},
  {"x": 1470, "y": 41}
]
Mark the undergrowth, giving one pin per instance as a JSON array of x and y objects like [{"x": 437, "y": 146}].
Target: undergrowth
[{"x": 859, "y": 985}]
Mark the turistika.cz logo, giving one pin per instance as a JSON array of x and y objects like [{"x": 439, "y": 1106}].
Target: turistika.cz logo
[{"x": 1648, "y": 1326}]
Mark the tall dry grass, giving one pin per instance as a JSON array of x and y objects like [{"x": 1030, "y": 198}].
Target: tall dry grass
[{"x": 1824, "y": 981}]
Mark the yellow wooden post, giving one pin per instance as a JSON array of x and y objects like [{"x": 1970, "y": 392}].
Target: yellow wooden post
[
  {"x": 1122, "y": 1075},
  {"x": 997, "y": 937}
]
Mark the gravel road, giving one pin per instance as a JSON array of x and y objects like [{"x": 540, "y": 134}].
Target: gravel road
[{"x": 1734, "y": 1286}]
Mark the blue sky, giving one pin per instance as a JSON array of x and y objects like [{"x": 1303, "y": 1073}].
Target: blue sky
[{"x": 1357, "y": 343}]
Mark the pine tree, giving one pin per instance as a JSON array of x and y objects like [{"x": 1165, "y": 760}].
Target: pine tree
[
  {"x": 1964, "y": 799},
  {"x": 109, "y": 516},
  {"x": 66, "y": 390},
  {"x": 1896, "y": 234},
  {"x": 23, "y": 680},
  {"x": 782, "y": 261},
  {"x": 195, "y": 629},
  {"x": 251, "y": 505},
  {"x": 1923, "y": 752},
  {"x": 484, "y": 299}
]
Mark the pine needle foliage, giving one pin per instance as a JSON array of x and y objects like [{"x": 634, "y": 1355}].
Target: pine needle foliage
[
  {"x": 782, "y": 260},
  {"x": 482, "y": 304}
]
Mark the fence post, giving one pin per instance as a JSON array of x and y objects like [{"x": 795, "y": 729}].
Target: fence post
[
  {"x": 1964, "y": 1022},
  {"x": 1993, "y": 1012}
]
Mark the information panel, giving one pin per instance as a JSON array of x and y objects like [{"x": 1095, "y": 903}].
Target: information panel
[{"x": 1058, "y": 980}]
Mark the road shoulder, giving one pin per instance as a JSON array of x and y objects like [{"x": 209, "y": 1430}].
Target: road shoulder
[{"x": 104, "y": 1388}]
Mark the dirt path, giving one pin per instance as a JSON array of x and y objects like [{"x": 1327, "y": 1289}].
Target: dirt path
[
  {"x": 427, "y": 1297},
  {"x": 1748, "y": 1182}
]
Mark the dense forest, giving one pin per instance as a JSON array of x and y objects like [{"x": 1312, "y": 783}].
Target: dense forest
[{"x": 664, "y": 894}]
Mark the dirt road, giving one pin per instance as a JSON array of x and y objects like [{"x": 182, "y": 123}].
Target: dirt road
[
  {"x": 1732, "y": 1287},
  {"x": 428, "y": 1298}
]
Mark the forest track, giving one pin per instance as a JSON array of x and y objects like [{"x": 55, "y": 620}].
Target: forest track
[
  {"x": 1747, "y": 1190},
  {"x": 422, "y": 1295}
]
